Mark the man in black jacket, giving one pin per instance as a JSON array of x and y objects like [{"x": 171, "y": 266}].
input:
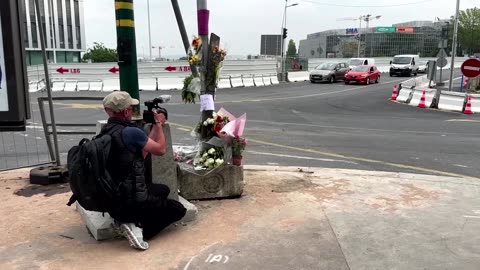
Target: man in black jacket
[{"x": 138, "y": 204}]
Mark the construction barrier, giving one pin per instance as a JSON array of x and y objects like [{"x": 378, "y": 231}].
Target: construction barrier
[
  {"x": 70, "y": 86},
  {"x": 35, "y": 86},
  {"x": 298, "y": 76},
  {"x": 224, "y": 82},
  {"x": 83, "y": 86},
  {"x": 110, "y": 85},
  {"x": 417, "y": 95},
  {"x": 148, "y": 84},
  {"x": 169, "y": 83},
  {"x": 452, "y": 101},
  {"x": 96, "y": 85},
  {"x": 248, "y": 80},
  {"x": 475, "y": 103},
  {"x": 404, "y": 95},
  {"x": 236, "y": 81},
  {"x": 274, "y": 79},
  {"x": 58, "y": 86},
  {"x": 258, "y": 79}
]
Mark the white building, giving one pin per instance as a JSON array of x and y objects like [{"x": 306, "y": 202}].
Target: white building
[{"x": 63, "y": 22}]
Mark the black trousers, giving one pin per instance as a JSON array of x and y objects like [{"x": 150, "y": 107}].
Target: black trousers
[{"x": 156, "y": 216}]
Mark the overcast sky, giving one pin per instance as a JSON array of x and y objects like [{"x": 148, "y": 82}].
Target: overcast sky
[{"x": 240, "y": 23}]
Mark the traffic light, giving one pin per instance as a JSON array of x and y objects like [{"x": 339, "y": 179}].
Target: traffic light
[{"x": 285, "y": 33}]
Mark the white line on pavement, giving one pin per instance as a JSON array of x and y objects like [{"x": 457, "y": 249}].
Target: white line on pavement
[{"x": 300, "y": 157}]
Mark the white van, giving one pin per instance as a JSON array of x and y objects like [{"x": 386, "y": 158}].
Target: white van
[
  {"x": 406, "y": 64},
  {"x": 361, "y": 62}
]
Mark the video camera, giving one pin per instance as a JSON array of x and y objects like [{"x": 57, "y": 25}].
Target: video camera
[{"x": 153, "y": 106}]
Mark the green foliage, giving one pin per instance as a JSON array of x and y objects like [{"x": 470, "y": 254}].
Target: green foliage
[
  {"x": 292, "y": 49},
  {"x": 468, "y": 29},
  {"x": 184, "y": 58},
  {"x": 349, "y": 49},
  {"x": 100, "y": 54}
]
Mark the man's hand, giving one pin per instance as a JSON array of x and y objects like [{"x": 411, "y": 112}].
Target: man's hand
[{"x": 159, "y": 118}]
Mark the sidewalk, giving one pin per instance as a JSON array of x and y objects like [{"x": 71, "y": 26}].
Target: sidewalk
[{"x": 287, "y": 219}]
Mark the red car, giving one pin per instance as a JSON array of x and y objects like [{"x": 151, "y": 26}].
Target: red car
[{"x": 363, "y": 74}]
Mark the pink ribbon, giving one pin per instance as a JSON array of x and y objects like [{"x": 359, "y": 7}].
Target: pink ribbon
[{"x": 203, "y": 17}]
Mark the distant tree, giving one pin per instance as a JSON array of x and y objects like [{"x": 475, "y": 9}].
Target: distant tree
[
  {"x": 349, "y": 49},
  {"x": 468, "y": 30},
  {"x": 183, "y": 58},
  {"x": 292, "y": 49},
  {"x": 99, "y": 54}
]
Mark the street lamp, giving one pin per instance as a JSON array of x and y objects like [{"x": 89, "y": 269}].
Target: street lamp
[
  {"x": 284, "y": 26},
  {"x": 149, "y": 31}
]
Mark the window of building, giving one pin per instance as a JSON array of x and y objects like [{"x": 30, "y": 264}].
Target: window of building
[
  {"x": 77, "y": 24},
  {"x": 61, "y": 27},
  {"x": 69, "y": 24}
]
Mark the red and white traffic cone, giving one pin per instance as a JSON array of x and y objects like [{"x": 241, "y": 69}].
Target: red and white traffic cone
[
  {"x": 395, "y": 93},
  {"x": 422, "y": 100},
  {"x": 468, "y": 107}
]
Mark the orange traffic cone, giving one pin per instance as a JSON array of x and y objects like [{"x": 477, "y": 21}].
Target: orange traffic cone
[
  {"x": 468, "y": 107},
  {"x": 422, "y": 100},
  {"x": 395, "y": 93}
]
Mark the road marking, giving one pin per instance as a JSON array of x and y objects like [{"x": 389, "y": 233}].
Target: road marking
[
  {"x": 301, "y": 157},
  {"x": 86, "y": 106},
  {"x": 471, "y": 216},
  {"x": 184, "y": 129},
  {"x": 461, "y": 166},
  {"x": 409, "y": 167},
  {"x": 463, "y": 120},
  {"x": 297, "y": 97}
]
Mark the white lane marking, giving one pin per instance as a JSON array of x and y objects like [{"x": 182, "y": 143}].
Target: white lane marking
[
  {"x": 300, "y": 157},
  {"x": 272, "y": 163},
  {"x": 201, "y": 251},
  {"x": 463, "y": 120},
  {"x": 471, "y": 216},
  {"x": 461, "y": 166}
]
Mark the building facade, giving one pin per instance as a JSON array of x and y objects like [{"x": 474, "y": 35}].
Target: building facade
[
  {"x": 64, "y": 26},
  {"x": 271, "y": 45},
  {"x": 417, "y": 37}
]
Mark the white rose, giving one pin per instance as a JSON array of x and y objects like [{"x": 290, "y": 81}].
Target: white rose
[
  {"x": 214, "y": 115},
  {"x": 211, "y": 121},
  {"x": 205, "y": 155},
  {"x": 219, "y": 162},
  {"x": 210, "y": 162},
  {"x": 205, "y": 123},
  {"x": 211, "y": 151}
]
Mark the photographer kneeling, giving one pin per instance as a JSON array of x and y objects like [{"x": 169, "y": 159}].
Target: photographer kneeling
[{"x": 138, "y": 204}]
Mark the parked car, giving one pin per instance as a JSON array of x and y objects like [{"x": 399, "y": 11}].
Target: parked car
[
  {"x": 363, "y": 74},
  {"x": 329, "y": 72},
  {"x": 404, "y": 65},
  {"x": 361, "y": 62},
  {"x": 423, "y": 66}
]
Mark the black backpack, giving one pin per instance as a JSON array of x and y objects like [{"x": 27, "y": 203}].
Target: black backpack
[{"x": 90, "y": 182}]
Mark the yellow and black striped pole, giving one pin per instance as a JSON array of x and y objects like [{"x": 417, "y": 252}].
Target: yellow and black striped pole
[{"x": 127, "y": 50}]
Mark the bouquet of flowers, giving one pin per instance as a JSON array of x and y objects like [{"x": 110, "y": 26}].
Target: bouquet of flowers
[
  {"x": 211, "y": 158},
  {"x": 238, "y": 146},
  {"x": 191, "y": 84},
  {"x": 214, "y": 125}
]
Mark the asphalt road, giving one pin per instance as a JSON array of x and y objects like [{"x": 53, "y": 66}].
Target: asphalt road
[{"x": 301, "y": 124}]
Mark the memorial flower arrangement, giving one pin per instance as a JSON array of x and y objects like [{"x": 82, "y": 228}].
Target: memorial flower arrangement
[
  {"x": 191, "y": 84},
  {"x": 214, "y": 125},
  {"x": 238, "y": 146},
  {"x": 211, "y": 158}
]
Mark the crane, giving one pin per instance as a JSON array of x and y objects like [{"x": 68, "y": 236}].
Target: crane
[{"x": 367, "y": 18}]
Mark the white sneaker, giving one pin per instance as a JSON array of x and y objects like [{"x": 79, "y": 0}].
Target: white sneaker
[{"x": 134, "y": 236}]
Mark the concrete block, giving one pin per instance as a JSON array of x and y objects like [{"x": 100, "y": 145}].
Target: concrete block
[
  {"x": 99, "y": 225},
  {"x": 164, "y": 168},
  {"x": 192, "y": 211},
  {"x": 224, "y": 182}
]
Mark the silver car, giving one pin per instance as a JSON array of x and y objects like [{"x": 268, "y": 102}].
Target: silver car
[{"x": 329, "y": 72}]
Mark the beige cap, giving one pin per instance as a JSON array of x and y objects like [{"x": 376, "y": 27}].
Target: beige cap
[{"x": 119, "y": 101}]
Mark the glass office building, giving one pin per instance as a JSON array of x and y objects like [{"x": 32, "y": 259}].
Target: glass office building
[
  {"x": 63, "y": 23},
  {"x": 420, "y": 38}
]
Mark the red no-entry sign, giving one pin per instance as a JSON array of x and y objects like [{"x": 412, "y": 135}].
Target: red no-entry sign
[{"x": 471, "y": 68}]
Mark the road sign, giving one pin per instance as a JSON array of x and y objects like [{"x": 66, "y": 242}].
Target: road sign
[
  {"x": 114, "y": 70},
  {"x": 442, "y": 62},
  {"x": 62, "y": 70},
  {"x": 471, "y": 68},
  {"x": 180, "y": 69},
  {"x": 442, "y": 54},
  {"x": 386, "y": 29}
]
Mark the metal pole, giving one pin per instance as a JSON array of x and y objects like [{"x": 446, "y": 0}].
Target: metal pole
[
  {"x": 203, "y": 31},
  {"x": 284, "y": 64},
  {"x": 54, "y": 33},
  {"x": 127, "y": 50},
  {"x": 183, "y": 33},
  {"x": 47, "y": 79},
  {"x": 454, "y": 46},
  {"x": 359, "y": 37},
  {"x": 149, "y": 31}
]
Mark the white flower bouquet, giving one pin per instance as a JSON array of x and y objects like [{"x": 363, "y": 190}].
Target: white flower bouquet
[{"x": 211, "y": 158}]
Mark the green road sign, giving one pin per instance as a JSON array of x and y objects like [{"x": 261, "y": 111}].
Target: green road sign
[{"x": 386, "y": 29}]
